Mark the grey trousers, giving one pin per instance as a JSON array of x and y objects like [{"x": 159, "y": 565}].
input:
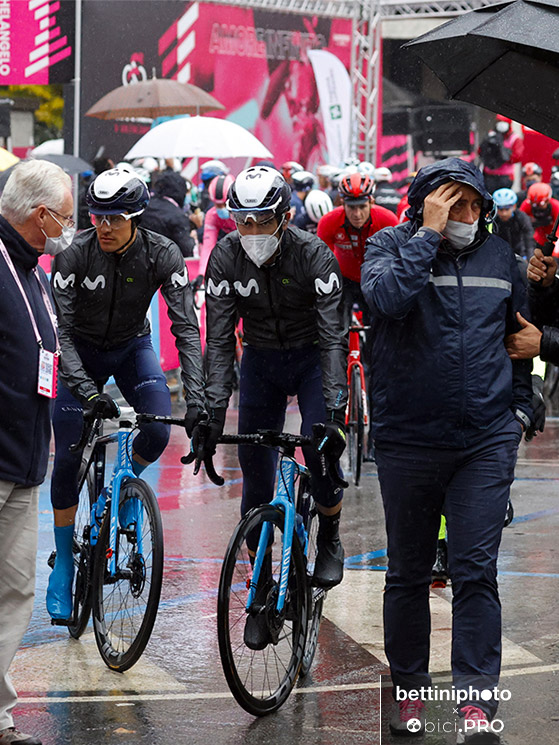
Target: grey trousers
[{"x": 18, "y": 554}]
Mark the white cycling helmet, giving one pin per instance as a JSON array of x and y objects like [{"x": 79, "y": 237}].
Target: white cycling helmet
[
  {"x": 366, "y": 169},
  {"x": 383, "y": 174},
  {"x": 317, "y": 204},
  {"x": 259, "y": 189}
]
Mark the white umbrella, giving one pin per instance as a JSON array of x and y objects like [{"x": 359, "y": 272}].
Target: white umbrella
[
  {"x": 198, "y": 136},
  {"x": 49, "y": 147}
]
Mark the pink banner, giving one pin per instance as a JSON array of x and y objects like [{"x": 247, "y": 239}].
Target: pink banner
[{"x": 36, "y": 36}]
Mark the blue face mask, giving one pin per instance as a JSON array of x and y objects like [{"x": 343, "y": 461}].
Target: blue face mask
[{"x": 222, "y": 212}]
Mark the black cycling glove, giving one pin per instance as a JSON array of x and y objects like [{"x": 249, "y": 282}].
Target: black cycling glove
[
  {"x": 191, "y": 418},
  {"x": 206, "y": 433},
  {"x": 331, "y": 443},
  {"x": 101, "y": 404}
]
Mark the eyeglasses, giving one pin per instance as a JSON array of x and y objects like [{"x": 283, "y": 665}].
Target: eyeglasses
[
  {"x": 260, "y": 218},
  {"x": 113, "y": 221},
  {"x": 68, "y": 221}
]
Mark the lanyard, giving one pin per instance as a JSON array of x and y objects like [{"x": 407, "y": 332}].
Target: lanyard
[{"x": 46, "y": 299}]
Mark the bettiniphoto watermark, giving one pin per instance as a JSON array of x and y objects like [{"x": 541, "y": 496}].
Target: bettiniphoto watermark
[
  {"x": 453, "y": 694},
  {"x": 445, "y": 707}
]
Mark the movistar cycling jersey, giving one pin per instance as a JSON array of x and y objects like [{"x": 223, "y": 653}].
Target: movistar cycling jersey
[{"x": 103, "y": 298}]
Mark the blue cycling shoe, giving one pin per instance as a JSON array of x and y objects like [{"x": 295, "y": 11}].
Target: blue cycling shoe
[{"x": 59, "y": 591}]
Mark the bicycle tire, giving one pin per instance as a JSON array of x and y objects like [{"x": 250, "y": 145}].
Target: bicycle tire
[
  {"x": 307, "y": 509},
  {"x": 261, "y": 681},
  {"x": 356, "y": 426},
  {"x": 123, "y": 614},
  {"x": 83, "y": 554}
]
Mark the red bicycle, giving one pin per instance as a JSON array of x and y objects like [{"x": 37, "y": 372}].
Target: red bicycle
[{"x": 356, "y": 413}]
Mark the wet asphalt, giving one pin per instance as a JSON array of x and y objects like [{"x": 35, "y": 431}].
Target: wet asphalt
[{"x": 177, "y": 692}]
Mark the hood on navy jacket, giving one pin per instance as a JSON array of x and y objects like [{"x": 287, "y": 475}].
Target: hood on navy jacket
[{"x": 441, "y": 172}]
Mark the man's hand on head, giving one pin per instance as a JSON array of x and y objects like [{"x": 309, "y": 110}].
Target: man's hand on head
[{"x": 437, "y": 205}]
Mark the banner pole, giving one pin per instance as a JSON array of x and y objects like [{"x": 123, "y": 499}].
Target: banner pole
[{"x": 77, "y": 97}]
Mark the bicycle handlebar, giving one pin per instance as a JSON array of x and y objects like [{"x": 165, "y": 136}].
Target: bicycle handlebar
[
  {"x": 91, "y": 425},
  {"x": 267, "y": 438}
]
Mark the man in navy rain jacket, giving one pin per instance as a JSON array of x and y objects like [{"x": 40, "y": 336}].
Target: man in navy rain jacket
[{"x": 449, "y": 411}]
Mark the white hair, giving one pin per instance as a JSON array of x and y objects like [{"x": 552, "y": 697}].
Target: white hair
[{"x": 31, "y": 183}]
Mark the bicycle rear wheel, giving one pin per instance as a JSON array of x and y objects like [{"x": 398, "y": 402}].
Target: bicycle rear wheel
[
  {"x": 307, "y": 509},
  {"x": 356, "y": 426},
  {"x": 125, "y": 605},
  {"x": 261, "y": 680},
  {"x": 83, "y": 554}
]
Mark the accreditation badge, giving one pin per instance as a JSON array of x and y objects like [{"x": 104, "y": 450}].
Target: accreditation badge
[{"x": 48, "y": 373}]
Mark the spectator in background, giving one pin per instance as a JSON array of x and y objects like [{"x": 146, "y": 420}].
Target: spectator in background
[
  {"x": 288, "y": 169},
  {"x": 302, "y": 184},
  {"x": 499, "y": 151},
  {"x": 317, "y": 204},
  {"x": 513, "y": 225},
  {"x": 164, "y": 213},
  {"x": 218, "y": 221},
  {"x": 531, "y": 174},
  {"x": 210, "y": 169},
  {"x": 542, "y": 210},
  {"x": 385, "y": 195},
  {"x": 100, "y": 164}
]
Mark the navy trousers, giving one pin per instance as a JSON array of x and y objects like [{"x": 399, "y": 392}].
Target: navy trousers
[
  {"x": 139, "y": 376},
  {"x": 471, "y": 486},
  {"x": 268, "y": 377}
]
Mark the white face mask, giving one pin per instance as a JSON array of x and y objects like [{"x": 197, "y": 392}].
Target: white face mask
[
  {"x": 56, "y": 245},
  {"x": 460, "y": 234},
  {"x": 260, "y": 248}
]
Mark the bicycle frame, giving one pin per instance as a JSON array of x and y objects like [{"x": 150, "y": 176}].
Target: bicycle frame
[
  {"x": 121, "y": 471},
  {"x": 284, "y": 499},
  {"x": 354, "y": 360}
]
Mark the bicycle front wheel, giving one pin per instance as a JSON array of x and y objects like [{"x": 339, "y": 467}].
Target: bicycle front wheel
[
  {"x": 261, "y": 680},
  {"x": 356, "y": 425},
  {"x": 307, "y": 509},
  {"x": 125, "y": 603},
  {"x": 83, "y": 555}
]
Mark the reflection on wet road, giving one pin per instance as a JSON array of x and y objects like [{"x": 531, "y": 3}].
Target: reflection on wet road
[{"x": 177, "y": 692}]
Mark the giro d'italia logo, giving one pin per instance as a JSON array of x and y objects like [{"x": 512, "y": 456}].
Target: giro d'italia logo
[{"x": 414, "y": 725}]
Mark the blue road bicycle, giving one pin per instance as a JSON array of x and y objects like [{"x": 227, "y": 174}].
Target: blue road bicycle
[
  {"x": 282, "y": 594},
  {"x": 118, "y": 549}
]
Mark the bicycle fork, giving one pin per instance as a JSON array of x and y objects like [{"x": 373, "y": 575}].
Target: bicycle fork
[{"x": 283, "y": 501}]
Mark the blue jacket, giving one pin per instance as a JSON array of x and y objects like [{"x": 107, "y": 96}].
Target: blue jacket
[
  {"x": 24, "y": 414},
  {"x": 440, "y": 375}
]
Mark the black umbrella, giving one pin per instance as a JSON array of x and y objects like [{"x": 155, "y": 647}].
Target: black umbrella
[
  {"x": 69, "y": 163},
  {"x": 502, "y": 57}
]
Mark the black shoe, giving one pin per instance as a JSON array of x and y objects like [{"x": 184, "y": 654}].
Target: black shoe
[
  {"x": 329, "y": 564},
  {"x": 257, "y": 633},
  {"x": 439, "y": 573}
]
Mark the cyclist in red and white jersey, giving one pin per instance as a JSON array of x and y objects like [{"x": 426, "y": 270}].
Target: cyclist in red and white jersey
[{"x": 346, "y": 229}]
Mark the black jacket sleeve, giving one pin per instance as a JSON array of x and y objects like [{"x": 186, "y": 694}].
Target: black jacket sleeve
[
  {"x": 221, "y": 319},
  {"x": 65, "y": 279},
  {"x": 521, "y": 369},
  {"x": 325, "y": 274},
  {"x": 544, "y": 306}
]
